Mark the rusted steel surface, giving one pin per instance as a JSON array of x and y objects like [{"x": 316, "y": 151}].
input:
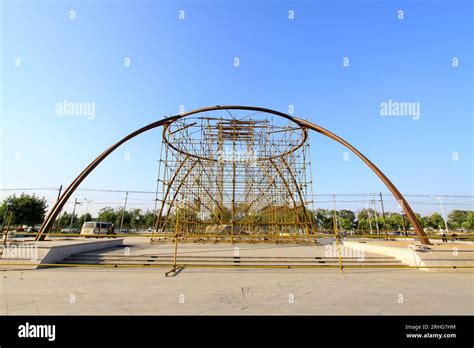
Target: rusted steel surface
[
  {"x": 402, "y": 201},
  {"x": 55, "y": 210}
]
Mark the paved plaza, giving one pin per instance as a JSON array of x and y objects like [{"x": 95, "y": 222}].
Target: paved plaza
[{"x": 324, "y": 291}]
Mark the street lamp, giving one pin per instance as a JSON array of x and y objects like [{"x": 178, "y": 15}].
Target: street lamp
[
  {"x": 368, "y": 215},
  {"x": 442, "y": 211},
  {"x": 404, "y": 226},
  {"x": 376, "y": 218},
  {"x": 87, "y": 209},
  {"x": 73, "y": 212}
]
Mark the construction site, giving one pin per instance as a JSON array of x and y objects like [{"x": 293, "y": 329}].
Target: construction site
[
  {"x": 236, "y": 178},
  {"x": 235, "y": 194},
  {"x": 239, "y": 165}
]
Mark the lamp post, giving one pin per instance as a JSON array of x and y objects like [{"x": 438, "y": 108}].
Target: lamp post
[
  {"x": 123, "y": 212},
  {"x": 404, "y": 225},
  {"x": 73, "y": 212},
  {"x": 87, "y": 209},
  {"x": 376, "y": 217},
  {"x": 442, "y": 211},
  {"x": 368, "y": 215}
]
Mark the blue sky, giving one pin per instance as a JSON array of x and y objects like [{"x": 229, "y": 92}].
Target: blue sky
[{"x": 282, "y": 62}]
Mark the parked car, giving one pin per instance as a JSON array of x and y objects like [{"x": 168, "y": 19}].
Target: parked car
[
  {"x": 396, "y": 233},
  {"x": 70, "y": 230},
  {"x": 95, "y": 228}
]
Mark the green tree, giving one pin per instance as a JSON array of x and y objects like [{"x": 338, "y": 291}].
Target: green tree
[
  {"x": 425, "y": 222},
  {"x": 408, "y": 224},
  {"x": 138, "y": 219},
  {"x": 346, "y": 219},
  {"x": 456, "y": 218},
  {"x": 127, "y": 218},
  {"x": 468, "y": 223},
  {"x": 64, "y": 220},
  {"x": 149, "y": 218},
  {"x": 107, "y": 214},
  {"x": 83, "y": 218},
  {"x": 27, "y": 210},
  {"x": 394, "y": 221},
  {"x": 324, "y": 219},
  {"x": 436, "y": 221},
  {"x": 366, "y": 220}
]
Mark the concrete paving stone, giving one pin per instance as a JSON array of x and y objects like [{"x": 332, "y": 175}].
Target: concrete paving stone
[{"x": 234, "y": 291}]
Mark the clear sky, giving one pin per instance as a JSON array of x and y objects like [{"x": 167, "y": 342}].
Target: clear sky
[{"x": 50, "y": 54}]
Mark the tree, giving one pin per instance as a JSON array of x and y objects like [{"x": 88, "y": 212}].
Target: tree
[
  {"x": 456, "y": 218},
  {"x": 436, "y": 221},
  {"x": 366, "y": 219},
  {"x": 149, "y": 218},
  {"x": 395, "y": 222},
  {"x": 3, "y": 208},
  {"x": 138, "y": 219},
  {"x": 468, "y": 224},
  {"x": 27, "y": 210},
  {"x": 346, "y": 219},
  {"x": 324, "y": 219},
  {"x": 83, "y": 218},
  {"x": 408, "y": 224},
  {"x": 64, "y": 220},
  {"x": 107, "y": 214},
  {"x": 425, "y": 222},
  {"x": 127, "y": 218}
]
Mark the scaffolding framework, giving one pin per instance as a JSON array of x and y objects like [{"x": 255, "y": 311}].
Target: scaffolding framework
[{"x": 234, "y": 176}]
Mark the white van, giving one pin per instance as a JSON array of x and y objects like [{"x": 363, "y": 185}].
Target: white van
[{"x": 90, "y": 228}]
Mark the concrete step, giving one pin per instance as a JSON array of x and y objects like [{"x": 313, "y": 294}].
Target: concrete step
[
  {"x": 118, "y": 256},
  {"x": 251, "y": 261}
]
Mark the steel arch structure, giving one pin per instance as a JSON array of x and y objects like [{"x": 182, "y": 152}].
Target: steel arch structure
[{"x": 304, "y": 124}]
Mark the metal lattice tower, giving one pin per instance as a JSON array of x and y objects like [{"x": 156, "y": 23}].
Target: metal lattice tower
[{"x": 234, "y": 176}]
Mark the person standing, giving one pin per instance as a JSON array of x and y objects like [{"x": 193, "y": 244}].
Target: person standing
[{"x": 111, "y": 230}]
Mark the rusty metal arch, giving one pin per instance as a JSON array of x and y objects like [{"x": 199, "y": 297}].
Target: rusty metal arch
[{"x": 53, "y": 213}]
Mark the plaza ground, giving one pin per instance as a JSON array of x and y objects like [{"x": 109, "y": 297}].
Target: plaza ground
[
  {"x": 198, "y": 291},
  {"x": 145, "y": 290}
]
